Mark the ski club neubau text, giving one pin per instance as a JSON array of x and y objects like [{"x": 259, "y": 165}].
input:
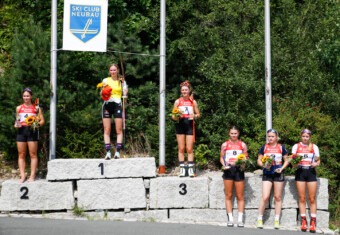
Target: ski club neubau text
[{"x": 86, "y": 11}]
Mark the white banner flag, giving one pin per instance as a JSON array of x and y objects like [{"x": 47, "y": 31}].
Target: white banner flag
[{"x": 85, "y": 25}]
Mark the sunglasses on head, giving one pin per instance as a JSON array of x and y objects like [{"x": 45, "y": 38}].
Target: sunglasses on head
[
  {"x": 272, "y": 130},
  {"x": 27, "y": 89},
  {"x": 185, "y": 84},
  {"x": 306, "y": 131}
]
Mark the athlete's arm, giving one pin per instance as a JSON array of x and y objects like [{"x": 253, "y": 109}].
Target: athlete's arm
[
  {"x": 17, "y": 115},
  {"x": 197, "y": 112},
  {"x": 42, "y": 119},
  {"x": 317, "y": 154},
  {"x": 175, "y": 107},
  {"x": 222, "y": 155},
  {"x": 260, "y": 156}
]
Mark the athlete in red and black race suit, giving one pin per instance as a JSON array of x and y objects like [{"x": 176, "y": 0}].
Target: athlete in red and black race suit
[
  {"x": 272, "y": 175},
  {"x": 305, "y": 176},
  {"x": 230, "y": 150},
  {"x": 185, "y": 127},
  {"x": 26, "y": 135}
]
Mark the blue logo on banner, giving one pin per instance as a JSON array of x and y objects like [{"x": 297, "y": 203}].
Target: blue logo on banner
[{"x": 85, "y": 21}]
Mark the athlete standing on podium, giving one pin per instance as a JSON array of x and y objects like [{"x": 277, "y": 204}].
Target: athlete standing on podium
[
  {"x": 115, "y": 86},
  {"x": 230, "y": 150},
  {"x": 305, "y": 177},
  {"x": 188, "y": 107},
  {"x": 26, "y": 114}
]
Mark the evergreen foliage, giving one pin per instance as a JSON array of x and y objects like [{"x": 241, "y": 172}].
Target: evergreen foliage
[{"x": 217, "y": 45}]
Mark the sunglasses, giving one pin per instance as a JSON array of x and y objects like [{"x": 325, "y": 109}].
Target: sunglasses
[
  {"x": 27, "y": 89},
  {"x": 272, "y": 130},
  {"x": 185, "y": 84},
  {"x": 306, "y": 131}
]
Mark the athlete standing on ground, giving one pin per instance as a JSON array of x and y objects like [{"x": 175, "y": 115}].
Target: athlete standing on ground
[
  {"x": 184, "y": 128},
  {"x": 306, "y": 176},
  {"x": 113, "y": 106},
  {"x": 26, "y": 135},
  {"x": 230, "y": 150},
  {"x": 272, "y": 175}
]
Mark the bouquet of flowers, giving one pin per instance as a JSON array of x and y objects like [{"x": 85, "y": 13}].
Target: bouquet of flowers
[
  {"x": 176, "y": 112},
  {"x": 33, "y": 122},
  {"x": 267, "y": 161},
  {"x": 241, "y": 159},
  {"x": 101, "y": 85},
  {"x": 294, "y": 159}
]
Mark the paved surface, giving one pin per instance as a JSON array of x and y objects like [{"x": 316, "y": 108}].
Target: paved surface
[{"x": 34, "y": 226}]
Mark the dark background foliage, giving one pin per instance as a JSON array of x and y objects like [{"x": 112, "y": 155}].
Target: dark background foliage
[{"x": 217, "y": 45}]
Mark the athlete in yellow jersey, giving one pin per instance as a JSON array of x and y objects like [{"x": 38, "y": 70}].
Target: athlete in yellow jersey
[{"x": 113, "y": 106}]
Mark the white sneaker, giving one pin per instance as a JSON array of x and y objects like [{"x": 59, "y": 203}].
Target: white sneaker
[
  {"x": 230, "y": 224},
  {"x": 117, "y": 155},
  {"x": 240, "y": 224},
  {"x": 182, "y": 172},
  {"x": 191, "y": 171},
  {"x": 108, "y": 155}
]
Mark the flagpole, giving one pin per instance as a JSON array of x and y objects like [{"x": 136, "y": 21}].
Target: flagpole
[
  {"x": 268, "y": 73},
  {"x": 53, "y": 82},
  {"x": 162, "y": 87}
]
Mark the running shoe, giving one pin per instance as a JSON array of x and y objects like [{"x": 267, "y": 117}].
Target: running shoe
[
  {"x": 230, "y": 224},
  {"x": 259, "y": 223},
  {"x": 117, "y": 155},
  {"x": 191, "y": 172},
  {"x": 312, "y": 225},
  {"x": 304, "y": 225},
  {"x": 182, "y": 172},
  {"x": 276, "y": 224},
  {"x": 240, "y": 224},
  {"x": 108, "y": 155}
]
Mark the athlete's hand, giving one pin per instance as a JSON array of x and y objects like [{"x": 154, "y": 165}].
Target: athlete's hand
[
  {"x": 314, "y": 164},
  {"x": 226, "y": 167},
  {"x": 278, "y": 170},
  {"x": 174, "y": 118},
  {"x": 17, "y": 125}
]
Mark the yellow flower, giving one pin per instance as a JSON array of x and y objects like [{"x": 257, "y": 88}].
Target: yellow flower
[
  {"x": 29, "y": 120},
  {"x": 99, "y": 85},
  {"x": 241, "y": 157},
  {"x": 175, "y": 110},
  {"x": 264, "y": 159}
]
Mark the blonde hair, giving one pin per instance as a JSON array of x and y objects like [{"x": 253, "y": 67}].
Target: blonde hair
[{"x": 308, "y": 132}]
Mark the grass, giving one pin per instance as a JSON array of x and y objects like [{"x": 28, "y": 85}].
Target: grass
[{"x": 78, "y": 211}]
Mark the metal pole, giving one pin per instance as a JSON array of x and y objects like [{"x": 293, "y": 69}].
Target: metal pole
[
  {"x": 268, "y": 73},
  {"x": 53, "y": 81},
  {"x": 162, "y": 91}
]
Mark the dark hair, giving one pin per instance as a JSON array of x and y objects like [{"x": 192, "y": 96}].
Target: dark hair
[
  {"x": 234, "y": 128},
  {"x": 28, "y": 90}
]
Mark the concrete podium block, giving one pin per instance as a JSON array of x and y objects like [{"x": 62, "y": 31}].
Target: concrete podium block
[
  {"x": 111, "y": 194},
  {"x": 252, "y": 192},
  {"x": 199, "y": 215},
  {"x": 288, "y": 216},
  {"x": 175, "y": 192},
  {"x": 37, "y": 195},
  {"x": 322, "y": 218},
  {"x": 290, "y": 197},
  {"x": 151, "y": 215},
  {"x": 73, "y": 169}
]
